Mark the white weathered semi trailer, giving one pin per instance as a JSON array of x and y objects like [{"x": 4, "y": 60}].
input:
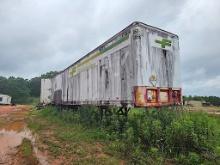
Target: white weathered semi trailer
[{"x": 138, "y": 67}]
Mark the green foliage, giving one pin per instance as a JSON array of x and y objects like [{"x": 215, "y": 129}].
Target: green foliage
[
  {"x": 21, "y": 90},
  {"x": 190, "y": 133},
  {"x": 49, "y": 74},
  {"x": 17, "y": 88},
  {"x": 66, "y": 119},
  {"x": 34, "y": 85},
  {"x": 26, "y": 147},
  {"x": 35, "y": 127},
  {"x": 53, "y": 147},
  {"x": 214, "y": 100},
  {"x": 146, "y": 137},
  {"x": 191, "y": 158}
]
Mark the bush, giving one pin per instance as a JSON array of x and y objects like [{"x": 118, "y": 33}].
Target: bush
[
  {"x": 191, "y": 158},
  {"x": 149, "y": 136},
  {"x": 172, "y": 133}
]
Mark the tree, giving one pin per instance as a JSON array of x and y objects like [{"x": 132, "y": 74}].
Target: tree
[
  {"x": 17, "y": 88},
  {"x": 50, "y": 74},
  {"x": 21, "y": 90},
  {"x": 34, "y": 85}
]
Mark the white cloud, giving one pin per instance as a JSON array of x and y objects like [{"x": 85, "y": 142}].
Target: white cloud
[
  {"x": 203, "y": 87},
  {"x": 42, "y": 35}
]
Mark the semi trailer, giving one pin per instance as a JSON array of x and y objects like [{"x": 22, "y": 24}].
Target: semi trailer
[{"x": 137, "y": 67}]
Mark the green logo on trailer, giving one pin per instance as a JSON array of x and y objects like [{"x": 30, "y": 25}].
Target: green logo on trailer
[{"x": 164, "y": 42}]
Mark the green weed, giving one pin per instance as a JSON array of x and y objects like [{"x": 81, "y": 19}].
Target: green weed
[
  {"x": 144, "y": 137},
  {"x": 26, "y": 147}
]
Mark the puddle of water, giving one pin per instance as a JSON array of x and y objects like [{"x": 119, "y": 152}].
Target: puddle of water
[
  {"x": 12, "y": 135},
  {"x": 5, "y": 150},
  {"x": 10, "y": 139}
]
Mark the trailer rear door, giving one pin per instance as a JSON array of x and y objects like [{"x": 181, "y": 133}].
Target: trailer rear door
[{"x": 163, "y": 60}]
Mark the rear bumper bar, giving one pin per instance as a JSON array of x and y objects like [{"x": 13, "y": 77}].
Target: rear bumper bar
[{"x": 145, "y": 96}]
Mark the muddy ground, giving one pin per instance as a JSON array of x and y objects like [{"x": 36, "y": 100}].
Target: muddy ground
[
  {"x": 17, "y": 144},
  {"x": 26, "y": 138}
]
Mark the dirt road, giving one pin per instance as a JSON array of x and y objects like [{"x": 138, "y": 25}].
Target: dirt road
[{"x": 17, "y": 144}]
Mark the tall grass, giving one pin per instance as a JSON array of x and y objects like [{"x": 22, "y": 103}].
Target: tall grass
[{"x": 150, "y": 136}]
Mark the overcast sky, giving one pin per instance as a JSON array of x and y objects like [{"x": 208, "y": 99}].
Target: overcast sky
[{"x": 37, "y": 36}]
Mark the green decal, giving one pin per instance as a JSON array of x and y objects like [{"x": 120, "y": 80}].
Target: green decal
[{"x": 164, "y": 42}]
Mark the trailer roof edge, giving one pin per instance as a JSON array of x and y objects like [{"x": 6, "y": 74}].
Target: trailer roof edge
[{"x": 110, "y": 39}]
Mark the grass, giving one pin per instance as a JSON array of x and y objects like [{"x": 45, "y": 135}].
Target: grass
[
  {"x": 73, "y": 141},
  {"x": 34, "y": 100},
  {"x": 26, "y": 148},
  {"x": 25, "y": 153},
  {"x": 53, "y": 147},
  {"x": 217, "y": 120},
  {"x": 146, "y": 137},
  {"x": 35, "y": 127}
]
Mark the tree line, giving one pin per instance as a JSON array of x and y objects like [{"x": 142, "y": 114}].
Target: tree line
[
  {"x": 23, "y": 90},
  {"x": 214, "y": 100}
]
